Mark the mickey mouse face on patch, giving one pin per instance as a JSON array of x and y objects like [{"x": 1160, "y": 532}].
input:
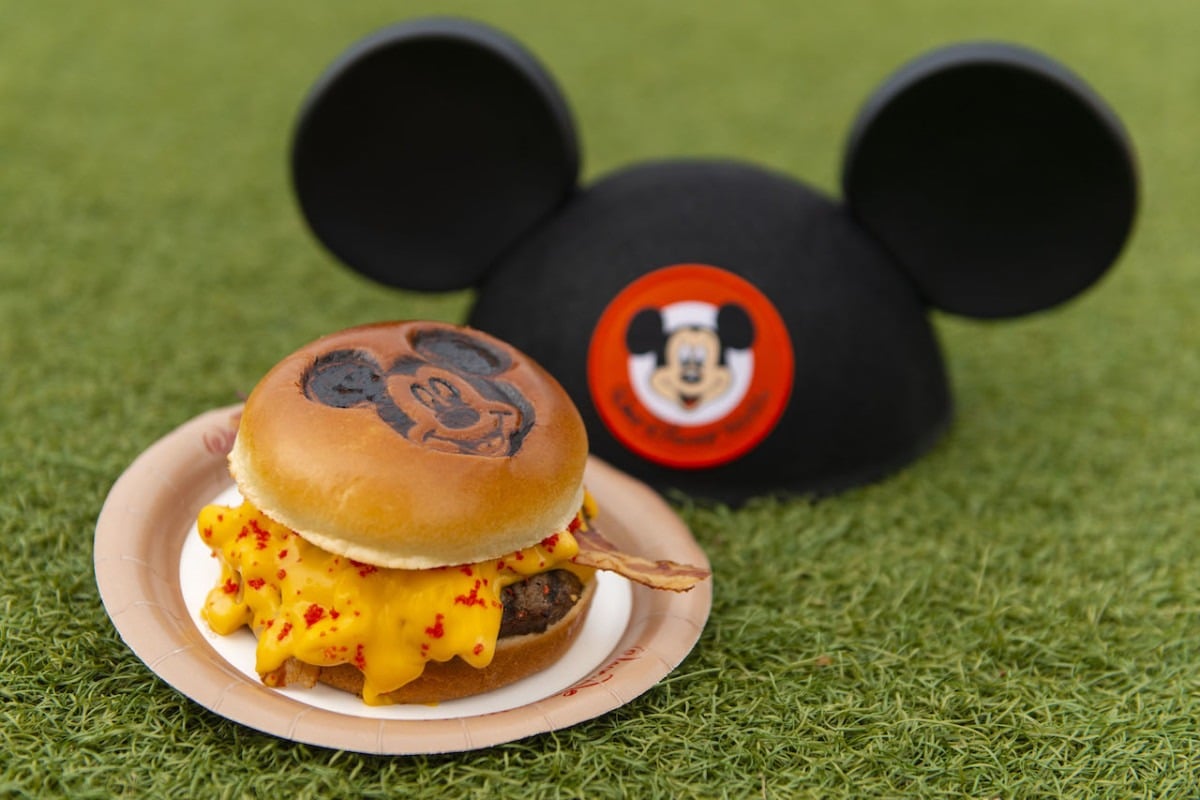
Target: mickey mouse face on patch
[
  {"x": 690, "y": 366},
  {"x": 690, "y": 360},
  {"x": 443, "y": 395}
]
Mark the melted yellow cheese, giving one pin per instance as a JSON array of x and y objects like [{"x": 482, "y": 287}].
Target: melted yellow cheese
[{"x": 325, "y": 609}]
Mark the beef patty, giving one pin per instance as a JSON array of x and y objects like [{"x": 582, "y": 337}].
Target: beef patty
[{"x": 536, "y": 603}]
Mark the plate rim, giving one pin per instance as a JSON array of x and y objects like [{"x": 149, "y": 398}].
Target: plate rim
[{"x": 185, "y": 468}]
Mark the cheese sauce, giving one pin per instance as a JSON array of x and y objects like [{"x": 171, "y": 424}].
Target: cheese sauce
[{"x": 325, "y": 609}]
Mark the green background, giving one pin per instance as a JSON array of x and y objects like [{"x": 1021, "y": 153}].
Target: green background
[{"x": 1013, "y": 616}]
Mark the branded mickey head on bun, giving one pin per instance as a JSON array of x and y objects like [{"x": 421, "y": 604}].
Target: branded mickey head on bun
[{"x": 983, "y": 179}]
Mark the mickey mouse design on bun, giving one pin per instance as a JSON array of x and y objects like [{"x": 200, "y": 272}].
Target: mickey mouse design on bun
[{"x": 441, "y": 395}]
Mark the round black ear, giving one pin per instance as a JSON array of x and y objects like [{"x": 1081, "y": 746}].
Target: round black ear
[
  {"x": 428, "y": 148},
  {"x": 998, "y": 179},
  {"x": 344, "y": 379},
  {"x": 734, "y": 326},
  {"x": 645, "y": 333},
  {"x": 461, "y": 351}
]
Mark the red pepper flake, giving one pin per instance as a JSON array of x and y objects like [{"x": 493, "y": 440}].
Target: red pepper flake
[
  {"x": 287, "y": 628},
  {"x": 262, "y": 537},
  {"x": 500, "y": 564},
  {"x": 424, "y": 648},
  {"x": 576, "y": 524},
  {"x": 281, "y": 574},
  {"x": 220, "y": 517},
  {"x": 519, "y": 556},
  {"x": 334, "y": 614},
  {"x": 436, "y": 631},
  {"x": 549, "y": 542},
  {"x": 466, "y": 570},
  {"x": 256, "y": 583},
  {"x": 207, "y": 532},
  {"x": 477, "y": 649},
  {"x": 282, "y": 554},
  {"x": 364, "y": 569},
  {"x": 360, "y": 660},
  {"x": 243, "y": 533},
  {"x": 313, "y": 615},
  {"x": 472, "y": 599},
  {"x": 230, "y": 587}
]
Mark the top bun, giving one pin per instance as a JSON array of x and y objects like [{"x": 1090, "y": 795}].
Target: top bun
[{"x": 412, "y": 445}]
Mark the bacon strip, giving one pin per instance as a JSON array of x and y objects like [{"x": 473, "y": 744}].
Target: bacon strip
[{"x": 596, "y": 551}]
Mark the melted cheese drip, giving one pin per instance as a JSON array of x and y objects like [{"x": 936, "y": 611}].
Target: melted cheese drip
[{"x": 325, "y": 609}]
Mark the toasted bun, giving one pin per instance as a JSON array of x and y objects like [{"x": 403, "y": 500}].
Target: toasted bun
[
  {"x": 516, "y": 657},
  {"x": 412, "y": 445}
]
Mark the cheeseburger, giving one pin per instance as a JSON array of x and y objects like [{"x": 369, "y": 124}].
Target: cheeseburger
[{"x": 414, "y": 525}]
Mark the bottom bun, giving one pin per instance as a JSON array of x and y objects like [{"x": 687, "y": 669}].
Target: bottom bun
[{"x": 516, "y": 657}]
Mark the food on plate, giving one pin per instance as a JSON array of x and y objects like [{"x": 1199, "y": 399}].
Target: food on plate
[{"x": 414, "y": 525}]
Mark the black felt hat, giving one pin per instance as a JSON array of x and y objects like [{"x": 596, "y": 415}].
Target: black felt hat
[{"x": 724, "y": 329}]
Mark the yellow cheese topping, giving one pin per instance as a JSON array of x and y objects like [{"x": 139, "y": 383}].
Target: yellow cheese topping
[{"x": 325, "y": 609}]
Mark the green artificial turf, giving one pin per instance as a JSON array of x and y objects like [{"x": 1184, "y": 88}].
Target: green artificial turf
[{"x": 1014, "y": 616}]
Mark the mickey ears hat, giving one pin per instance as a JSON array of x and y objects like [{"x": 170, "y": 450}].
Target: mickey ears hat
[{"x": 983, "y": 179}]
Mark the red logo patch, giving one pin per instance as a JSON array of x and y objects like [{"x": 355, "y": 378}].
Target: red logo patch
[{"x": 690, "y": 366}]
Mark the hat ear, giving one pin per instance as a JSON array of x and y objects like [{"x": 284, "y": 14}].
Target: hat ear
[
  {"x": 428, "y": 148},
  {"x": 999, "y": 179}
]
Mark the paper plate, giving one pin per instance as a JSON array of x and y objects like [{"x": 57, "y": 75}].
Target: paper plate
[{"x": 150, "y": 575}]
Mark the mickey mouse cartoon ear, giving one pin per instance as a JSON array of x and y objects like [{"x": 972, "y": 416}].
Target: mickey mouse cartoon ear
[
  {"x": 998, "y": 179},
  {"x": 428, "y": 148}
]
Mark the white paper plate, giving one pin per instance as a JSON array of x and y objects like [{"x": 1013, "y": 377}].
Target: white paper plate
[{"x": 153, "y": 572}]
